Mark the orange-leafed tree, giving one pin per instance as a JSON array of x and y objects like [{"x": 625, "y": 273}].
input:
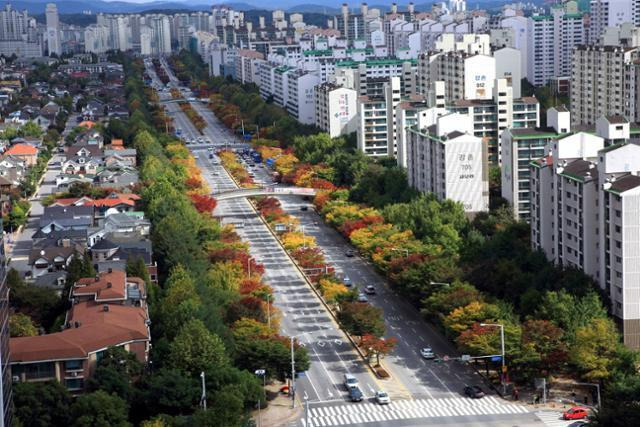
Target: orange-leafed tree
[
  {"x": 203, "y": 203},
  {"x": 374, "y": 346}
]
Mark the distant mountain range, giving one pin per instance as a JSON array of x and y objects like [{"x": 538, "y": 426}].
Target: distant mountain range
[{"x": 329, "y": 7}]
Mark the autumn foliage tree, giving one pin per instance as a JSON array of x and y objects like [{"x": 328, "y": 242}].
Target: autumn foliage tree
[
  {"x": 375, "y": 346},
  {"x": 203, "y": 203}
]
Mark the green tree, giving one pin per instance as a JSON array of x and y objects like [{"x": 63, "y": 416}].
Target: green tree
[
  {"x": 593, "y": 349},
  {"x": 136, "y": 267},
  {"x": 196, "y": 349},
  {"x": 226, "y": 409},
  {"x": 116, "y": 373},
  {"x": 169, "y": 391},
  {"x": 42, "y": 404},
  {"x": 21, "y": 325},
  {"x": 99, "y": 409},
  {"x": 361, "y": 319}
]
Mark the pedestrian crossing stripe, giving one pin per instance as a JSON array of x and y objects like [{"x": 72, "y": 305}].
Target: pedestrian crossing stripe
[
  {"x": 358, "y": 413},
  {"x": 553, "y": 419}
]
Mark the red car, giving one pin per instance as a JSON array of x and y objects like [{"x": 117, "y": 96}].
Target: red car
[{"x": 576, "y": 413}]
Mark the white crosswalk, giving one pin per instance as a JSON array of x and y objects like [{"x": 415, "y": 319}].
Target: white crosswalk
[
  {"x": 360, "y": 413},
  {"x": 553, "y": 419}
]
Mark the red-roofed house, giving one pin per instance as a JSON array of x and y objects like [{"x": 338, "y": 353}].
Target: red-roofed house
[
  {"x": 117, "y": 144},
  {"x": 107, "y": 310},
  {"x": 25, "y": 152}
]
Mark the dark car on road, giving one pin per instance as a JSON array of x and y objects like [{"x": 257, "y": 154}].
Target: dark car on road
[
  {"x": 355, "y": 394},
  {"x": 473, "y": 391},
  {"x": 350, "y": 253}
]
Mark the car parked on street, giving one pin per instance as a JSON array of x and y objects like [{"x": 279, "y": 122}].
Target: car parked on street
[
  {"x": 362, "y": 298},
  {"x": 350, "y": 253},
  {"x": 370, "y": 290}
]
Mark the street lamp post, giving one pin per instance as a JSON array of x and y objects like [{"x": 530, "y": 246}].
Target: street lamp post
[
  {"x": 293, "y": 377},
  {"x": 504, "y": 367},
  {"x": 261, "y": 373},
  {"x": 203, "y": 398}
]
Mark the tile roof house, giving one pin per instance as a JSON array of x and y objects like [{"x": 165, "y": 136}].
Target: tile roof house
[
  {"x": 126, "y": 156},
  {"x": 25, "y": 152},
  {"x": 49, "y": 259},
  {"x": 107, "y": 310},
  {"x": 66, "y": 217}
]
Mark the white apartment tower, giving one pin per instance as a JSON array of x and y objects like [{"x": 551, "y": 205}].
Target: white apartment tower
[
  {"x": 608, "y": 13},
  {"x": 336, "y": 109},
  {"x": 585, "y": 197},
  {"x": 446, "y": 159},
  {"x": 551, "y": 40},
  {"x": 53, "y": 29}
]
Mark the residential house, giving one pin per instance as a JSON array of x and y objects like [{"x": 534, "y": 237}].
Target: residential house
[
  {"x": 114, "y": 249},
  {"x": 107, "y": 310},
  {"x": 66, "y": 217},
  {"x": 49, "y": 259},
  {"x": 64, "y": 181},
  {"x": 117, "y": 177},
  {"x": 12, "y": 170},
  {"x": 125, "y": 156},
  {"x": 25, "y": 152}
]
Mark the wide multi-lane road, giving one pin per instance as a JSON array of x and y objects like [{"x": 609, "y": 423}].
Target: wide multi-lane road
[{"x": 423, "y": 392}]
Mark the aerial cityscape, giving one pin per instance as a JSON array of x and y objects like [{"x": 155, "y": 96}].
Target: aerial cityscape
[{"x": 315, "y": 215}]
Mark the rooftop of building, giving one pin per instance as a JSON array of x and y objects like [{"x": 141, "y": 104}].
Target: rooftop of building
[
  {"x": 625, "y": 183},
  {"x": 533, "y": 133},
  {"x": 92, "y": 327},
  {"x": 579, "y": 170}
]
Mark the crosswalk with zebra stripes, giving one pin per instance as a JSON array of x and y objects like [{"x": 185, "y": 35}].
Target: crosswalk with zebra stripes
[{"x": 360, "y": 413}]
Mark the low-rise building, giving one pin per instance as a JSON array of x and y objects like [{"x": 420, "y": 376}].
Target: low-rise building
[{"x": 107, "y": 311}]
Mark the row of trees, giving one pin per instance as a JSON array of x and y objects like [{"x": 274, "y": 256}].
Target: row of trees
[
  {"x": 554, "y": 317},
  {"x": 359, "y": 319}
]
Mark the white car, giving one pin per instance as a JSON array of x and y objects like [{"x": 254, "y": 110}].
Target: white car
[
  {"x": 382, "y": 397},
  {"x": 427, "y": 353}
]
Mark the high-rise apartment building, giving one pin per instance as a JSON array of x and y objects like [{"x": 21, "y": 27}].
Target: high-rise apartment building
[
  {"x": 603, "y": 83},
  {"x": 551, "y": 39},
  {"x": 585, "y": 213},
  {"x": 5, "y": 371},
  {"x": 54, "y": 45},
  {"x": 608, "y": 13},
  {"x": 446, "y": 159},
  {"x": 336, "y": 109}
]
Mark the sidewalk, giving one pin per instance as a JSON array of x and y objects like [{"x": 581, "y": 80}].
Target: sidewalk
[{"x": 279, "y": 412}]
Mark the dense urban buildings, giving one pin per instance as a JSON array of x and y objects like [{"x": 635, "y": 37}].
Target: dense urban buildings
[{"x": 483, "y": 163}]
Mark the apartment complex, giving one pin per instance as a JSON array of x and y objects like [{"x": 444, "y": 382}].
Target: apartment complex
[
  {"x": 336, "y": 109},
  {"x": 446, "y": 159},
  {"x": 520, "y": 146},
  {"x": 585, "y": 213},
  {"x": 604, "y": 82},
  {"x": 5, "y": 371}
]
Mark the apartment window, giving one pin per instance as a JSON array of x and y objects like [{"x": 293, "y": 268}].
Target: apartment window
[
  {"x": 618, "y": 259},
  {"x": 73, "y": 365},
  {"x": 618, "y": 244},
  {"x": 618, "y": 213},
  {"x": 74, "y": 383},
  {"x": 619, "y": 276},
  {"x": 618, "y": 229}
]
